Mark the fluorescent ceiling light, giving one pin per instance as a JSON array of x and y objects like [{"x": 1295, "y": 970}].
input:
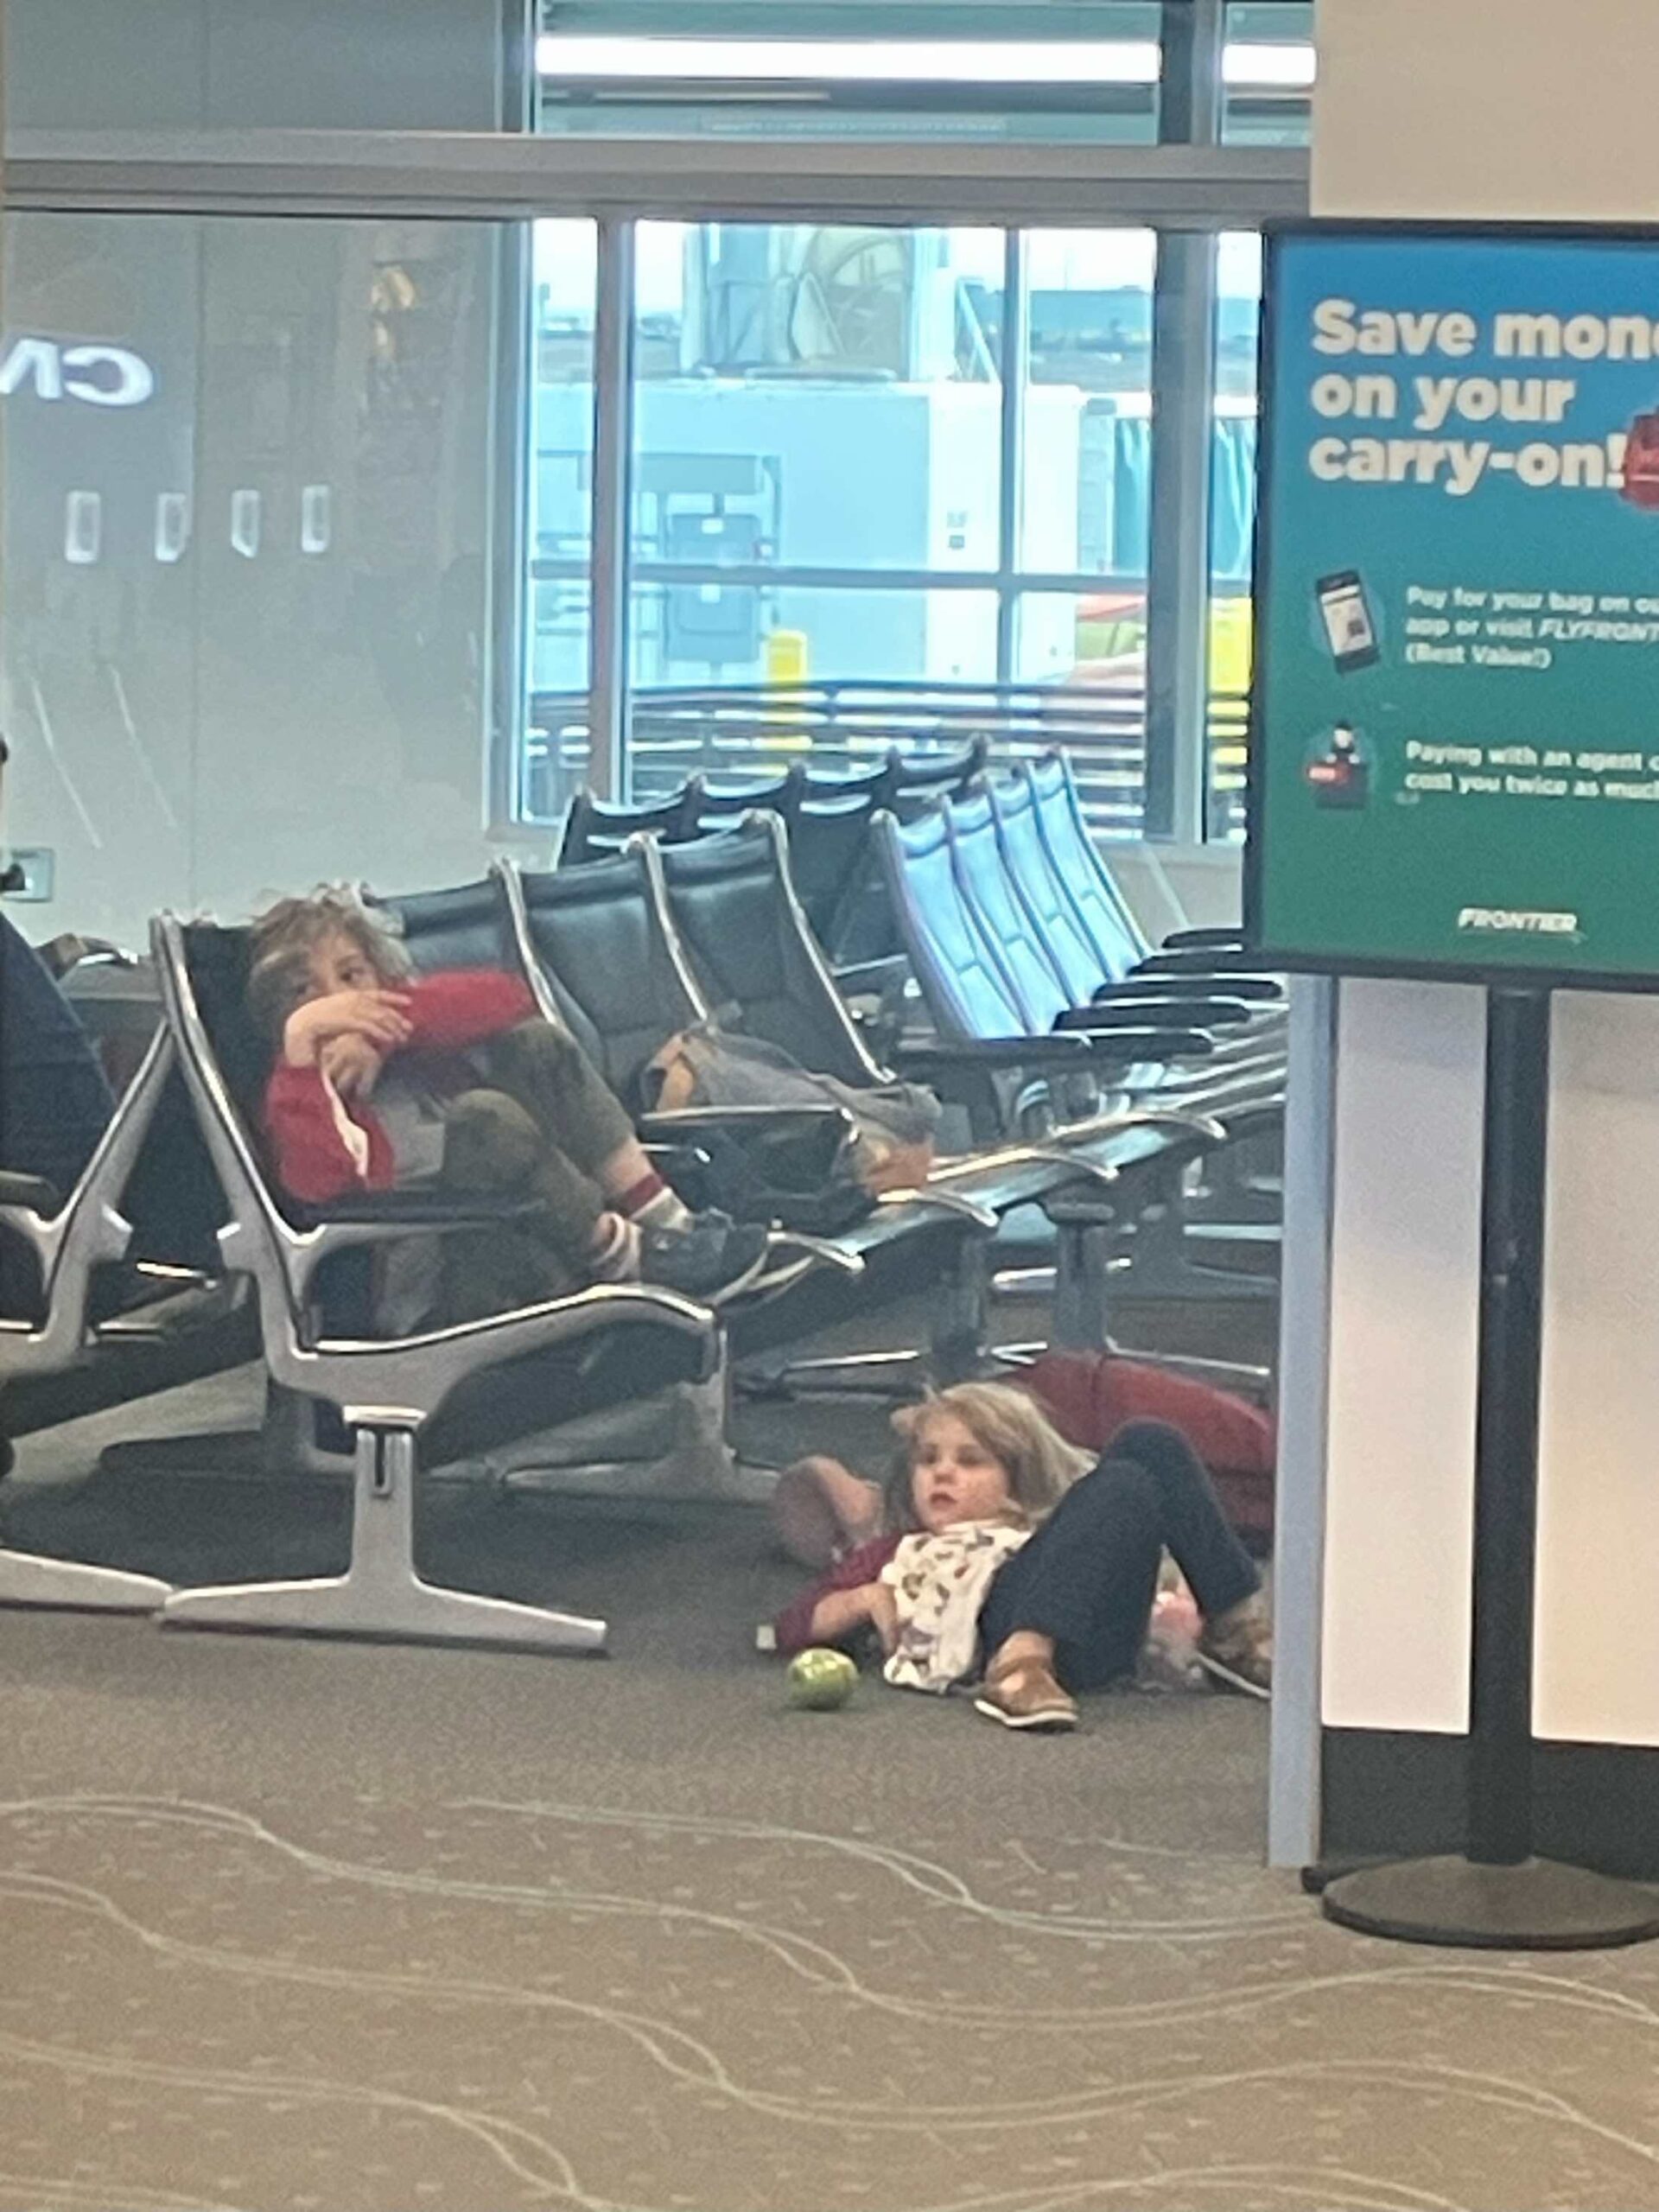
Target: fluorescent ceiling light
[
  {"x": 1263, "y": 68},
  {"x": 934, "y": 61},
  {"x": 942, "y": 62}
]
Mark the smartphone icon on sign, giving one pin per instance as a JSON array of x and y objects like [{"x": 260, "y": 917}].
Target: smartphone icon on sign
[{"x": 1348, "y": 624}]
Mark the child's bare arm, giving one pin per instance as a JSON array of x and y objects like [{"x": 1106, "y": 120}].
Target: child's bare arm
[
  {"x": 376, "y": 1016},
  {"x": 841, "y": 1612}
]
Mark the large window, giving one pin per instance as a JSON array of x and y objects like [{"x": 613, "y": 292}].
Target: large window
[
  {"x": 361, "y": 539},
  {"x": 918, "y": 461}
]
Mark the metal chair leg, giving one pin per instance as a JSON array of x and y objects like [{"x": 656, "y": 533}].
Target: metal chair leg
[
  {"x": 958, "y": 1327},
  {"x": 673, "y": 1447},
  {"x": 381, "y": 1595},
  {"x": 1162, "y": 1261},
  {"x": 26, "y": 1579},
  {"x": 284, "y": 1444}
]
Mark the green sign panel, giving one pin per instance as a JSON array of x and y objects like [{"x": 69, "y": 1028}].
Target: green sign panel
[{"x": 1455, "y": 739}]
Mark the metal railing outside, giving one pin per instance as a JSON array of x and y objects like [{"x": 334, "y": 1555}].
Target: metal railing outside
[
  {"x": 1229, "y": 739},
  {"x": 738, "y": 733},
  {"x": 735, "y": 734}
]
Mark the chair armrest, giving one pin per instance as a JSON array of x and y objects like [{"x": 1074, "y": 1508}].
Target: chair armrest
[
  {"x": 1240, "y": 962},
  {"x": 1221, "y": 940},
  {"x": 1130, "y": 1045},
  {"x": 1252, "y": 1120},
  {"x": 875, "y": 976},
  {"x": 61, "y": 954},
  {"x": 421, "y": 1370},
  {"x": 1062, "y": 1049},
  {"x": 1262, "y": 993},
  {"x": 33, "y": 1192},
  {"x": 940, "y": 1055},
  {"x": 1135, "y": 1009},
  {"x": 416, "y": 1210},
  {"x": 751, "y": 1123}
]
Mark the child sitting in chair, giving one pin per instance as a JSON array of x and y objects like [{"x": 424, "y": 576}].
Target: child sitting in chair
[
  {"x": 1010, "y": 1560},
  {"x": 386, "y": 1081}
]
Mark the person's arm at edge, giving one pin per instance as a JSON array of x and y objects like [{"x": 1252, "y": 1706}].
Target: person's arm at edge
[{"x": 833, "y": 1609}]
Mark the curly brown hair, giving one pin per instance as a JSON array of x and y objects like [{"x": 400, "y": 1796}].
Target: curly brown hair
[{"x": 283, "y": 938}]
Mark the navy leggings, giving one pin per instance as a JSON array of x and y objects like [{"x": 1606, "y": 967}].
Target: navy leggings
[{"x": 1088, "y": 1575}]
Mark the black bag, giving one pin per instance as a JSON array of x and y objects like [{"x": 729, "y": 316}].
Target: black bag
[{"x": 801, "y": 1178}]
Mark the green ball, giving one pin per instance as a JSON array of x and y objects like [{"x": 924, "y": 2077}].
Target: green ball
[{"x": 820, "y": 1681}]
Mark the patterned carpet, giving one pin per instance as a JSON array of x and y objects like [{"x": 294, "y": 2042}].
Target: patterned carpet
[
  {"x": 462, "y": 2003},
  {"x": 302, "y": 1928}
]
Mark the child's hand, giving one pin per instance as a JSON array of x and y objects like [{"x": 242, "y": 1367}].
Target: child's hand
[
  {"x": 350, "y": 1064},
  {"x": 376, "y": 1016},
  {"x": 884, "y": 1614},
  {"x": 846, "y": 1612}
]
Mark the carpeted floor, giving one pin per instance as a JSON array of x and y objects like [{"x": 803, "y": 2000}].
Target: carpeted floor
[{"x": 311, "y": 1927}]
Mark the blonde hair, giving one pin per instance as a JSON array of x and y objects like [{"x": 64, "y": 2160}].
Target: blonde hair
[
  {"x": 283, "y": 938},
  {"x": 1040, "y": 1465}
]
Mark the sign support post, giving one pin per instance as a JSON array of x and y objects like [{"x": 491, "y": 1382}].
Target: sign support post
[{"x": 1497, "y": 1895}]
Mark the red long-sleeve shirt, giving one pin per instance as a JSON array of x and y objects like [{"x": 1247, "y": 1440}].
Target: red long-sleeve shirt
[
  {"x": 449, "y": 1013},
  {"x": 792, "y": 1629}
]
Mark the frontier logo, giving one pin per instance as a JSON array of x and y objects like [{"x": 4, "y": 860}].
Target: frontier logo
[{"x": 1516, "y": 921}]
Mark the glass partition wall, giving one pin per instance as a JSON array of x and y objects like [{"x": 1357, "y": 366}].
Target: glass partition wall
[{"x": 363, "y": 492}]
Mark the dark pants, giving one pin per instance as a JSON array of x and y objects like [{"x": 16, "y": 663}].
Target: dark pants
[
  {"x": 1089, "y": 1576},
  {"x": 542, "y": 1129}
]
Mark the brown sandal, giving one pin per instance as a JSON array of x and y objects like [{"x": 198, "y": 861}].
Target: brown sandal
[
  {"x": 1023, "y": 1693},
  {"x": 1235, "y": 1650}
]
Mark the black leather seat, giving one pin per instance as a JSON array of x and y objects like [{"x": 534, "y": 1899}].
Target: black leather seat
[
  {"x": 832, "y": 855},
  {"x": 615, "y": 982},
  {"x": 595, "y": 826},
  {"x": 1102, "y": 912},
  {"x": 721, "y": 804},
  {"x": 1104, "y": 963},
  {"x": 465, "y": 927},
  {"x": 730, "y": 902},
  {"x": 1009, "y": 933}
]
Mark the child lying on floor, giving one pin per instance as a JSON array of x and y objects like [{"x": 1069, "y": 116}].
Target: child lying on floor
[
  {"x": 450, "y": 1082},
  {"x": 1009, "y": 1560}
]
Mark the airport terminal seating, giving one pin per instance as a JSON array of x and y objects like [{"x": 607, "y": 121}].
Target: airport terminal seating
[
  {"x": 985, "y": 978},
  {"x": 610, "y": 965},
  {"x": 1088, "y": 967},
  {"x": 594, "y": 947},
  {"x": 730, "y": 905},
  {"x": 626, "y": 951},
  {"x": 1236, "y": 1034},
  {"x": 1104, "y": 915},
  {"x": 110, "y": 1290},
  {"x": 83, "y": 1325},
  {"x": 390, "y": 1391},
  {"x": 594, "y": 827},
  {"x": 829, "y": 817}
]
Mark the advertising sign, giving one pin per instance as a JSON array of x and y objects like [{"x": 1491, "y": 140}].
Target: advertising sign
[{"x": 1455, "y": 724}]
